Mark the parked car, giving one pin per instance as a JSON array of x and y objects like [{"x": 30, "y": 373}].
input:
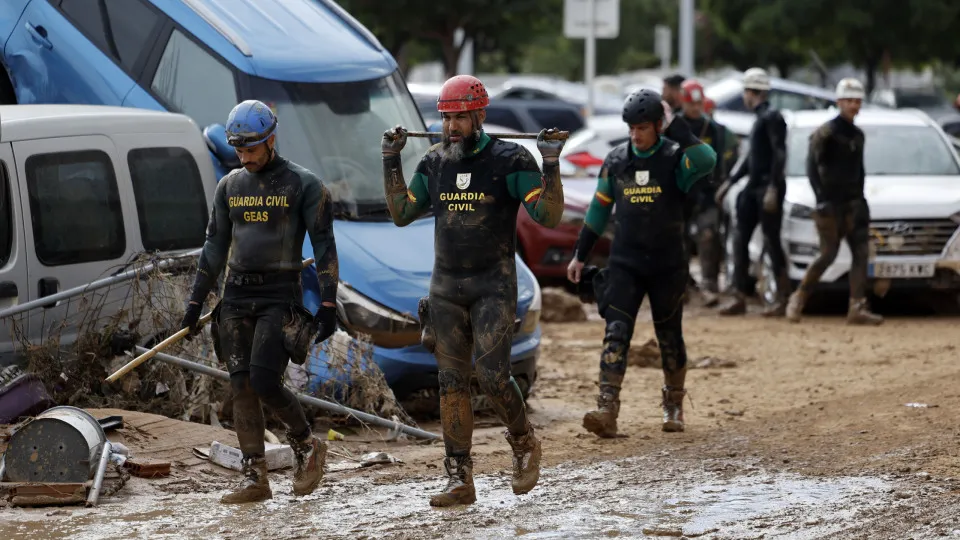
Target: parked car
[
  {"x": 914, "y": 206},
  {"x": 555, "y": 89},
  {"x": 930, "y": 100},
  {"x": 785, "y": 95},
  {"x": 84, "y": 190},
  {"x": 333, "y": 86}
]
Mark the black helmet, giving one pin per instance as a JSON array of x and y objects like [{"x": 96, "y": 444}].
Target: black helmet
[{"x": 641, "y": 106}]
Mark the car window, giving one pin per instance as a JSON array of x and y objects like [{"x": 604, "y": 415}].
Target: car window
[
  {"x": 171, "y": 206},
  {"x": 191, "y": 81},
  {"x": 75, "y": 207},
  {"x": 88, "y": 18},
  {"x": 131, "y": 23},
  {"x": 562, "y": 119},
  {"x": 884, "y": 151},
  {"x": 790, "y": 101},
  {"x": 503, "y": 117},
  {"x": 6, "y": 216}
]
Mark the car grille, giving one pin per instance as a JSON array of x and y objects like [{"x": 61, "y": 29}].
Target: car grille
[{"x": 911, "y": 237}]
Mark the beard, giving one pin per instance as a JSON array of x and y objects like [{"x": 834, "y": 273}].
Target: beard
[{"x": 454, "y": 151}]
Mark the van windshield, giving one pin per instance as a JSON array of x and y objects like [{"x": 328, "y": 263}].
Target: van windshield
[{"x": 334, "y": 129}]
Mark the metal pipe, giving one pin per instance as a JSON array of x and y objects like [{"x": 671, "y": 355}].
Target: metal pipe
[
  {"x": 562, "y": 135},
  {"x": 303, "y": 398},
  {"x": 94, "y": 285},
  {"x": 94, "y": 494}
]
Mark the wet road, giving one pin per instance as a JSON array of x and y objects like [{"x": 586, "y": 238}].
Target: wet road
[{"x": 611, "y": 499}]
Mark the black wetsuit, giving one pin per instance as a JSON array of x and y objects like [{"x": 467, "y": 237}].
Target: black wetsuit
[
  {"x": 706, "y": 213},
  {"x": 261, "y": 219}
]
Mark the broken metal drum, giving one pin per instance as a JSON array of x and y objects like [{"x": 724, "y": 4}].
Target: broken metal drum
[{"x": 63, "y": 444}]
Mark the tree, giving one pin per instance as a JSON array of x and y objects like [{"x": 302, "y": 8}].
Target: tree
[{"x": 757, "y": 32}]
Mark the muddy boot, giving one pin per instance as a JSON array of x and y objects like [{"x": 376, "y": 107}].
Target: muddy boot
[
  {"x": 710, "y": 293},
  {"x": 736, "y": 306},
  {"x": 311, "y": 457},
  {"x": 673, "y": 408},
  {"x": 526, "y": 461},
  {"x": 254, "y": 487},
  {"x": 603, "y": 421},
  {"x": 777, "y": 309},
  {"x": 860, "y": 314},
  {"x": 427, "y": 336},
  {"x": 459, "y": 488},
  {"x": 795, "y": 306}
]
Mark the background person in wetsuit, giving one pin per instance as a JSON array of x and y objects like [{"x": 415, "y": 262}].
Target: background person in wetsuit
[
  {"x": 673, "y": 91},
  {"x": 705, "y": 210},
  {"x": 647, "y": 179},
  {"x": 260, "y": 215},
  {"x": 836, "y": 173},
  {"x": 761, "y": 201},
  {"x": 475, "y": 185}
]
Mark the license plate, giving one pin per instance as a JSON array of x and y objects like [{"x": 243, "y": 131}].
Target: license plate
[{"x": 901, "y": 270}]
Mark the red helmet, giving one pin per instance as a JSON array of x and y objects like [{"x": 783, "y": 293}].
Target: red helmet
[
  {"x": 692, "y": 91},
  {"x": 462, "y": 93},
  {"x": 709, "y": 105}
]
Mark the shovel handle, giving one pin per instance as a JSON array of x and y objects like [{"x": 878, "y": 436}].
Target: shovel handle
[
  {"x": 557, "y": 136},
  {"x": 182, "y": 333}
]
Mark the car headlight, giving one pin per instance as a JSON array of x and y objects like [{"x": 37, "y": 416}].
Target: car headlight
[
  {"x": 953, "y": 249},
  {"x": 387, "y": 327},
  {"x": 572, "y": 217},
  {"x": 532, "y": 318},
  {"x": 801, "y": 211}
]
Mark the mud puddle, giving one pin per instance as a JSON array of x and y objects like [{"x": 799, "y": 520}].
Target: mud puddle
[{"x": 626, "y": 498}]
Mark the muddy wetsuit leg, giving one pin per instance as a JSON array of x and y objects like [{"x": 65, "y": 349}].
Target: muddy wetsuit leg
[
  {"x": 830, "y": 229},
  {"x": 625, "y": 293},
  {"x": 748, "y": 217},
  {"x": 858, "y": 238},
  {"x": 492, "y": 318},
  {"x": 454, "y": 340},
  {"x": 709, "y": 247}
]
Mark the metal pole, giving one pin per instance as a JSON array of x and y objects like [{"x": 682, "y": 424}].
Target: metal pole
[
  {"x": 686, "y": 37},
  {"x": 94, "y": 285},
  {"x": 94, "y": 494},
  {"x": 590, "y": 54},
  {"x": 308, "y": 400}
]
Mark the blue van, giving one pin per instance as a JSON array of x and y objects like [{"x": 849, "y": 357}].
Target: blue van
[{"x": 333, "y": 86}]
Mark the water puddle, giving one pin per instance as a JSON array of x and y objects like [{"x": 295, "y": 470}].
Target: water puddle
[{"x": 626, "y": 498}]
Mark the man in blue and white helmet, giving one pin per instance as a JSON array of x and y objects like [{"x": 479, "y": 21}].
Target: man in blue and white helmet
[{"x": 260, "y": 215}]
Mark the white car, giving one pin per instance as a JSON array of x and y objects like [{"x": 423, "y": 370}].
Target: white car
[{"x": 913, "y": 191}]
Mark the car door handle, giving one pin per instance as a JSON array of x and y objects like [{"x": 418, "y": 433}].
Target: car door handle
[
  {"x": 9, "y": 289},
  {"x": 39, "y": 34}
]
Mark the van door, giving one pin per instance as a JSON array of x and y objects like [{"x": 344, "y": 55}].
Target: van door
[
  {"x": 79, "y": 209},
  {"x": 13, "y": 265}
]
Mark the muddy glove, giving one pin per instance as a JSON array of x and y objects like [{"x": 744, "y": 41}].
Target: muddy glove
[
  {"x": 326, "y": 320},
  {"x": 191, "y": 318},
  {"x": 770, "y": 201},
  {"x": 549, "y": 148},
  {"x": 393, "y": 141}
]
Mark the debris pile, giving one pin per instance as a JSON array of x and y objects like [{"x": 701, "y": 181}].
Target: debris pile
[{"x": 561, "y": 306}]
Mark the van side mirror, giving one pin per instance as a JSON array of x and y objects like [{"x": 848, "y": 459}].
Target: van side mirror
[{"x": 216, "y": 137}]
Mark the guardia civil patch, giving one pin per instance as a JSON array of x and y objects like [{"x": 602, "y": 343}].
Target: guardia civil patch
[
  {"x": 642, "y": 178},
  {"x": 463, "y": 180}
]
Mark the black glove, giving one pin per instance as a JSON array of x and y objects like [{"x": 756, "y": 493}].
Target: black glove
[
  {"x": 393, "y": 141},
  {"x": 326, "y": 320},
  {"x": 190, "y": 319},
  {"x": 549, "y": 148}
]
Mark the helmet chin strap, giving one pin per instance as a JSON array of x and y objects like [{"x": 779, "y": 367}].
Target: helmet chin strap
[{"x": 475, "y": 118}]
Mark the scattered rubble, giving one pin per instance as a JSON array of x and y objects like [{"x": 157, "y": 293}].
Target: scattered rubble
[{"x": 561, "y": 306}]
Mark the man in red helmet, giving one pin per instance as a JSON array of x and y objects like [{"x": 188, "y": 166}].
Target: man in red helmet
[
  {"x": 475, "y": 185},
  {"x": 705, "y": 212}
]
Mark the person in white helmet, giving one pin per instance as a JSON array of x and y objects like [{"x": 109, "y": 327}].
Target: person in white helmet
[
  {"x": 836, "y": 173},
  {"x": 761, "y": 201}
]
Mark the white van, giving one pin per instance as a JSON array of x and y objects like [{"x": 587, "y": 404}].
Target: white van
[{"x": 84, "y": 190}]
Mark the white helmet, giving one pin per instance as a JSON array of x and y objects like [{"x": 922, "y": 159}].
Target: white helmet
[
  {"x": 850, "y": 88},
  {"x": 756, "y": 79}
]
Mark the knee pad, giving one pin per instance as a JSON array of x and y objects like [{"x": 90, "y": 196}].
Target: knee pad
[
  {"x": 617, "y": 334},
  {"x": 451, "y": 380}
]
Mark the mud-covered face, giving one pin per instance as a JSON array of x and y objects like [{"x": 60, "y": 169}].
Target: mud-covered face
[
  {"x": 644, "y": 135},
  {"x": 256, "y": 157},
  {"x": 461, "y": 130}
]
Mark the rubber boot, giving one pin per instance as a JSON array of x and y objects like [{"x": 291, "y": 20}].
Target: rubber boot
[
  {"x": 602, "y": 422},
  {"x": 427, "y": 336},
  {"x": 526, "y": 461},
  {"x": 672, "y": 400},
  {"x": 459, "y": 488},
  {"x": 860, "y": 314},
  {"x": 795, "y": 306},
  {"x": 311, "y": 454},
  {"x": 254, "y": 487},
  {"x": 736, "y": 306}
]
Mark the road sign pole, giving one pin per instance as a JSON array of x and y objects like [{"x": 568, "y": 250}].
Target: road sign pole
[
  {"x": 590, "y": 54},
  {"x": 686, "y": 37}
]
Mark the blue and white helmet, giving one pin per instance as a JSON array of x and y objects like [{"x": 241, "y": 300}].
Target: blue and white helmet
[{"x": 250, "y": 123}]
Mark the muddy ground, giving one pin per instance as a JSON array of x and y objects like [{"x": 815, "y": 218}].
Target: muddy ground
[{"x": 805, "y": 434}]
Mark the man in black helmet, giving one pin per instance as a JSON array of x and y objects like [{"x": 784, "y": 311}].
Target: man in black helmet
[{"x": 648, "y": 179}]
